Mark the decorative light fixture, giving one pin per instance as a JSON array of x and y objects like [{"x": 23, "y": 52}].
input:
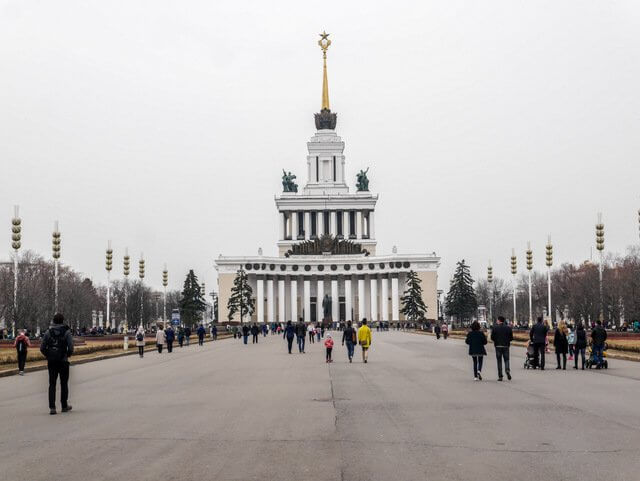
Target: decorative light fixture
[
  {"x": 165, "y": 282},
  {"x": 108, "y": 266},
  {"x": 490, "y": 281},
  {"x": 514, "y": 271},
  {"x": 529, "y": 268},
  {"x": 16, "y": 238},
  {"x": 141, "y": 275},
  {"x": 549, "y": 262},
  {"x": 600, "y": 247}
]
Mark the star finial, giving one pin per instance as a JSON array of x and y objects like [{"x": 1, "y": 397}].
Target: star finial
[{"x": 324, "y": 42}]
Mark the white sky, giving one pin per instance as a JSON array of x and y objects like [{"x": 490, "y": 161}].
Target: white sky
[{"x": 164, "y": 126}]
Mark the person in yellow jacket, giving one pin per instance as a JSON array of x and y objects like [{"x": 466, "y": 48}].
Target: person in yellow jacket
[{"x": 364, "y": 339}]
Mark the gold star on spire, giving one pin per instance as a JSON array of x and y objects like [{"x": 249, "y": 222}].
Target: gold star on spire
[{"x": 324, "y": 43}]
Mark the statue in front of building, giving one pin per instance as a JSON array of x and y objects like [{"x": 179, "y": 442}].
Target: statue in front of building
[
  {"x": 326, "y": 308},
  {"x": 362, "y": 184},
  {"x": 288, "y": 184}
]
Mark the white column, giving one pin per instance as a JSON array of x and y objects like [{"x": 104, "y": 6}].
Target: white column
[
  {"x": 345, "y": 224},
  {"x": 270, "y": 305},
  {"x": 319, "y": 299},
  {"x": 294, "y": 300},
  {"x": 361, "y": 300},
  {"x": 395, "y": 307},
  {"x": 333, "y": 216},
  {"x": 281, "y": 300},
  {"x": 319, "y": 223},
  {"x": 372, "y": 231},
  {"x": 374, "y": 298},
  {"x": 307, "y": 300},
  {"x": 348, "y": 305},
  {"x": 294, "y": 225},
  {"x": 359, "y": 224},
  {"x": 335, "y": 300},
  {"x": 307, "y": 225},
  {"x": 260, "y": 299},
  {"x": 384, "y": 316}
]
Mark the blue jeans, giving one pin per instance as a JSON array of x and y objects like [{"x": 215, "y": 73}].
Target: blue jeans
[
  {"x": 350, "y": 349},
  {"x": 301, "y": 340},
  {"x": 246, "y": 338},
  {"x": 597, "y": 354}
]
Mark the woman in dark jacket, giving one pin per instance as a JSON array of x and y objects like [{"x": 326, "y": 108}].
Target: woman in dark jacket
[
  {"x": 289, "y": 333},
  {"x": 476, "y": 340},
  {"x": 561, "y": 344},
  {"x": 581, "y": 344}
]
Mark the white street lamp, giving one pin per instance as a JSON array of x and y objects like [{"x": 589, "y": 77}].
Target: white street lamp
[
  {"x": 16, "y": 237},
  {"x": 600, "y": 247},
  {"x": 141, "y": 275},
  {"x": 529, "y": 268},
  {"x": 108, "y": 266},
  {"x": 126, "y": 267},
  {"x": 514, "y": 271},
  {"x": 490, "y": 281},
  {"x": 165, "y": 282},
  {"x": 55, "y": 248},
  {"x": 549, "y": 261}
]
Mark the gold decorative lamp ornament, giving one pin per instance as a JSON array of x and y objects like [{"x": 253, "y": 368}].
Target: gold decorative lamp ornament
[{"x": 325, "y": 119}]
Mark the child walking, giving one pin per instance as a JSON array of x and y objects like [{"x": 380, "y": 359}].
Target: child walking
[{"x": 328, "y": 343}]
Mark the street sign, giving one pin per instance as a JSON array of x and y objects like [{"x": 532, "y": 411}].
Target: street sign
[{"x": 175, "y": 317}]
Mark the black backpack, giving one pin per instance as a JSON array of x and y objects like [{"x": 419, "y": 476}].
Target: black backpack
[
  {"x": 139, "y": 337},
  {"x": 56, "y": 347}
]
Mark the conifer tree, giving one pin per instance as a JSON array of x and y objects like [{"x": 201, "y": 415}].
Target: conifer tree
[
  {"x": 461, "y": 301},
  {"x": 413, "y": 306},
  {"x": 192, "y": 304},
  {"x": 241, "y": 300}
]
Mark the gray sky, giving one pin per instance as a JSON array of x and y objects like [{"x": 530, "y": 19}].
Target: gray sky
[{"x": 165, "y": 125}]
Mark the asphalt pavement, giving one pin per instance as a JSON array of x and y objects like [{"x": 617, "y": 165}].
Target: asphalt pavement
[{"x": 226, "y": 411}]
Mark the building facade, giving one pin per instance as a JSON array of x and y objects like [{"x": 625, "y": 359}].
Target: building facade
[{"x": 327, "y": 268}]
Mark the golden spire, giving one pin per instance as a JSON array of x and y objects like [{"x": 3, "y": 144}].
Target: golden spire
[{"x": 324, "y": 43}]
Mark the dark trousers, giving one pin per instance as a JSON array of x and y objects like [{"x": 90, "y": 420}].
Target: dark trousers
[
  {"x": 598, "y": 356},
  {"x": 301, "y": 343},
  {"x": 200, "y": 340},
  {"x": 502, "y": 353},
  {"x": 564, "y": 359},
  {"x": 581, "y": 352},
  {"x": 169, "y": 346},
  {"x": 477, "y": 365},
  {"x": 329, "y": 349},
  {"x": 58, "y": 368},
  {"x": 311, "y": 337},
  {"x": 181, "y": 341},
  {"x": 350, "y": 349},
  {"x": 289, "y": 343},
  {"x": 22, "y": 359},
  {"x": 159, "y": 346},
  {"x": 538, "y": 354},
  {"x": 254, "y": 339},
  {"x": 141, "y": 351}
]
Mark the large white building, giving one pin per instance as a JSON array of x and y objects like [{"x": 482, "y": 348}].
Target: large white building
[{"x": 327, "y": 267}]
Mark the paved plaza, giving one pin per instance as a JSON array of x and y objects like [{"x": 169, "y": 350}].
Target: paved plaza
[{"x": 227, "y": 411}]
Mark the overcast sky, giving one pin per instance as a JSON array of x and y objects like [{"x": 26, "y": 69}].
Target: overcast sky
[{"x": 164, "y": 126}]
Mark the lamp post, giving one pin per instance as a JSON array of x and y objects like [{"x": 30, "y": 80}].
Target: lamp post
[
  {"x": 165, "y": 282},
  {"x": 16, "y": 237},
  {"x": 529, "y": 268},
  {"x": 108, "y": 266},
  {"x": 600, "y": 247},
  {"x": 141, "y": 274},
  {"x": 514, "y": 271},
  {"x": 203, "y": 293},
  {"x": 126, "y": 269},
  {"x": 549, "y": 249},
  {"x": 490, "y": 282},
  {"x": 55, "y": 247}
]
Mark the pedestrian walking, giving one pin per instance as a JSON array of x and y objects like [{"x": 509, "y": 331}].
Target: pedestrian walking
[
  {"x": 187, "y": 335},
  {"x": 445, "y": 331},
  {"x": 140, "y": 341},
  {"x": 320, "y": 330},
  {"x": 180, "y": 336},
  {"x": 214, "y": 332},
  {"x": 502, "y": 335},
  {"x": 235, "y": 331},
  {"x": 245, "y": 333},
  {"x": 289, "y": 334},
  {"x": 561, "y": 344},
  {"x": 598, "y": 338},
  {"x": 350, "y": 337},
  {"x": 364, "y": 339},
  {"x": 328, "y": 344},
  {"x": 581, "y": 345},
  {"x": 571, "y": 339},
  {"x": 161, "y": 339},
  {"x": 538, "y": 336},
  {"x": 254, "y": 333},
  {"x": 436, "y": 330},
  {"x": 476, "y": 341},
  {"x": 57, "y": 348},
  {"x": 301, "y": 332},
  {"x": 171, "y": 336},
  {"x": 21, "y": 344},
  {"x": 312, "y": 333},
  {"x": 201, "y": 332}
]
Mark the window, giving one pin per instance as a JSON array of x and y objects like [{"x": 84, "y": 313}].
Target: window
[
  {"x": 352, "y": 224},
  {"x": 301, "y": 225},
  {"x": 314, "y": 224},
  {"x": 317, "y": 169},
  {"x": 365, "y": 218},
  {"x": 339, "y": 221},
  {"x": 325, "y": 223},
  {"x": 334, "y": 168}
]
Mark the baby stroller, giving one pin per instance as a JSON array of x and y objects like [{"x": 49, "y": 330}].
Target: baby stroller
[
  {"x": 528, "y": 360},
  {"x": 591, "y": 361}
]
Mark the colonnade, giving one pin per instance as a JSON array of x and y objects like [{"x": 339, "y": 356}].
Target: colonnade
[{"x": 349, "y": 224}]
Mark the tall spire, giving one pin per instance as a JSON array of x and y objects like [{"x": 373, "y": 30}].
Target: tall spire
[{"x": 324, "y": 43}]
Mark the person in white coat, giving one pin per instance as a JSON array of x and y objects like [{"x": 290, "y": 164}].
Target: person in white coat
[
  {"x": 161, "y": 339},
  {"x": 140, "y": 340}
]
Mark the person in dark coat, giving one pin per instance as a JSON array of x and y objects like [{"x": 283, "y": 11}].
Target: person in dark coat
[
  {"x": 187, "y": 335},
  {"x": 170, "y": 335},
  {"x": 245, "y": 333},
  {"x": 289, "y": 334},
  {"x": 581, "y": 345},
  {"x": 476, "y": 341},
  {"x": 502, "y": 335},
  {"x": 21, "y": 344},
  {"x": 255, "y": 330},
  {"x": 214, "y": 332},
  {"x": 201, "y": 333},
  {"x": 57, "y": 347},
  {"x": 301, "y": 332},
  {"x": 350, "y": 337},
  {"x": 436, "y": 329},
  {"x": 538, "y": 336},
  {"x": 561, "y": 344},
  {"x": 598, "y": 338}
]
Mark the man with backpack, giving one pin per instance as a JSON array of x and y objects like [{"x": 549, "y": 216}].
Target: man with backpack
[{"x": 57, "y": 347}]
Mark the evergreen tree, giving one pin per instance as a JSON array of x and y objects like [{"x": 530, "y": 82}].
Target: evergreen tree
[
  {"x": 192, "y": 303},
  {"x": 215, "y": 309},
  {"x": 461, "y": 301},
  {"x": 241, "y": 299},
  {"x": 413, "y": 306}
]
